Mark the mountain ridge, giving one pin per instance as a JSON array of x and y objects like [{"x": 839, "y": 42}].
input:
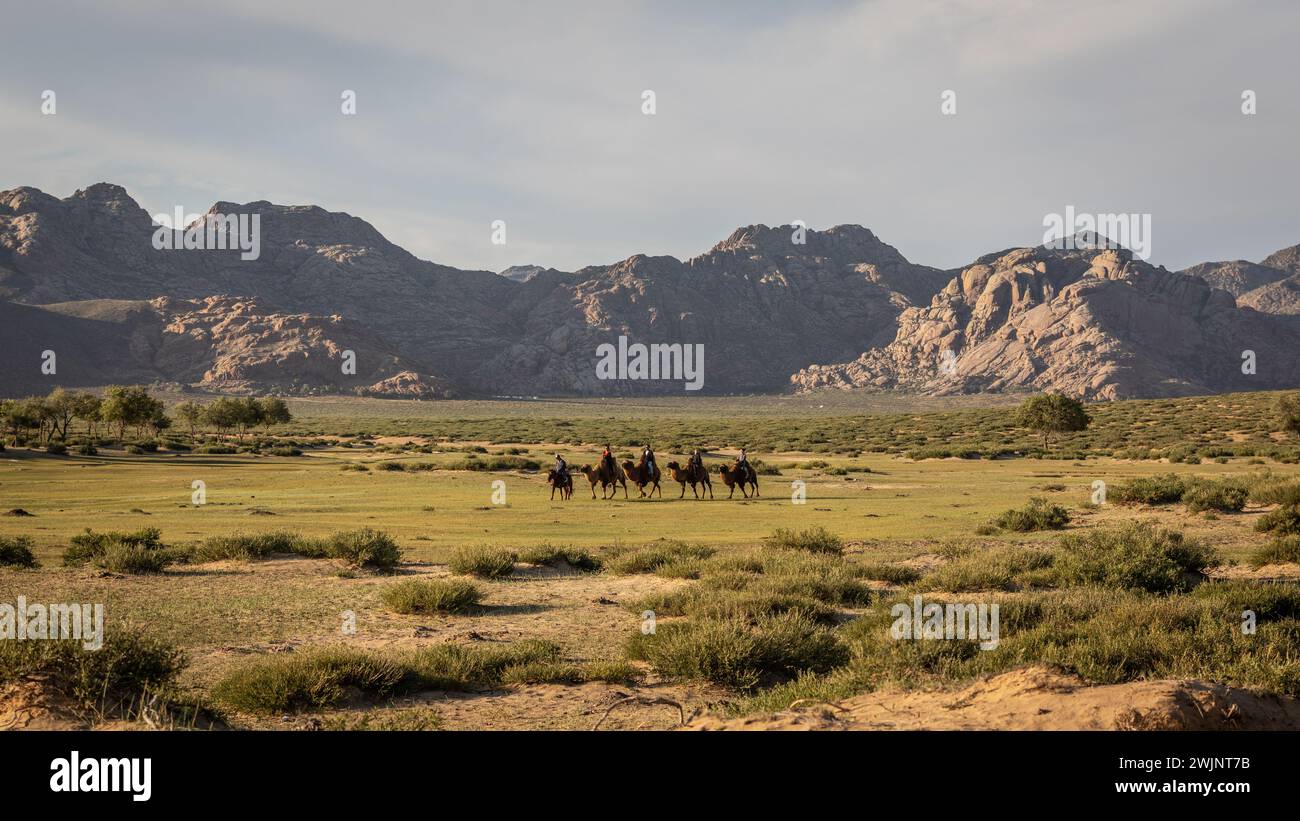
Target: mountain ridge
[{"x": 839, "y": 309}]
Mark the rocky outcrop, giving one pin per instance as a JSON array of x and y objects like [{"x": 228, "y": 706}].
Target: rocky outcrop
[
  {"x": 774, "y": 308},
  {"x": 1092, "y": 324}
]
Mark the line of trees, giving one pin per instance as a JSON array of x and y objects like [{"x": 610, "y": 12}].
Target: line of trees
[{"x": 119, "y": 408}]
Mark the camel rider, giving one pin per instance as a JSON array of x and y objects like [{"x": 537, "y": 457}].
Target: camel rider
[
  {"x": 696, "y": 462},
  {"x": 561, "y": 467},
  {"x": 742, "y": 463},
  {"x": 607, "y": 459},
  {"x": 648, "y": 456}
]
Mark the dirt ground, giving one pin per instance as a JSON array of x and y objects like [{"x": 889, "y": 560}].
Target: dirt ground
[{"x": 1035, "y": 698}]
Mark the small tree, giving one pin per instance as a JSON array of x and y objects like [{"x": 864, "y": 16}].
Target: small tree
[
  {"x": 191, "y": 413},
  {"x": 1288, "y": 411},
  {"x": 1052, "y": 413},
  {"x": 274, "y": 411}
]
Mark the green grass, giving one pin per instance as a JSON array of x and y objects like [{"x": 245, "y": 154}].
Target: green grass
[
  {"x": 812, "y": 540},
  {"x": 320, "y": 679},
  {"x": 1038, "y": 514},
  {"x": 418, "y": 596},
  {"x": 483, "y": 561}
]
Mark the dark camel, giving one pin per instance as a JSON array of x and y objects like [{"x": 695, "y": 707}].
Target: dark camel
[
  {"x": 602, "y": 476},
  {"x": 690, "y": 474},
  {"x": 563, "y": 484},
  {"x": 734, "y": 477},
  {"x": 641, "y": 476}
]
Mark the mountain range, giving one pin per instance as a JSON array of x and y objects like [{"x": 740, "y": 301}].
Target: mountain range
[{"x": 80, "y": 276}]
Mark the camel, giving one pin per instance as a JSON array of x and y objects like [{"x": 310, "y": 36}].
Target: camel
[
  {"x": 732, "y": 478},
  {"x": 683, "y": 475},
  {"x": 601, "y": 475},
  {"x": 640, "y": 476},
  {"x": 564, "y": 485}
]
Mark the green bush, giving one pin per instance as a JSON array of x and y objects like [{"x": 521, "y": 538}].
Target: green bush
[
  {"x": 1134, "y": 556},
  {"x": 651, "y": 557},
  {"x": 128, "y": 666},
  {"x": 1283, "y": 521},
  {"x": 319, "y": 679},
  {"x": 1279, "y": 551},
  {"x": 365, "y": 548},
  {"x": 139, "y": 552},
  {"x": 16, "y": 551},
  {"x": 813, "y": 540},
  {"x": 418, "y": 596},
  {"x": 739, "y": 653},
  {"x": 550, "y": 556},
  {"x": 1225, "y": 496},
  {"x": 246, "y": 546},
  {"x": 87, "y": 449},
  {"x": 1039, "y": 514},
  {"x": 56, "y": 448},
  {"x": 483, "y": 561},
  {"x": 1150, "y": 490}
]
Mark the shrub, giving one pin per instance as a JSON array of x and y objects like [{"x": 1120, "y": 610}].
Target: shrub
[
  {"x": 142, "y": 551},
  {"x": 417, "y": 596},
  {"x": 16, "y": 551},
  {"x": 739, "y": 653},
  {"x": 218, "y": 450},
  {"x": 813, "y": 540},
  {"x": 1001, "y": 568},
  {"x": 1279, "y": 551},
  {"x": 1226, "y": 496},
  {"x": 556, "y": 556},
  {"x": 554, "y": 672},
  {"x": 56, "y": 448},
  {"x": 649, "y": 558},
  {"x": 483, "y": 561},
  {"x": 1134, "y": 556},
  {"x": 127, "y": 666},
  {"x": 892, "y": 573},
  {"x": 244, "y": 546},
  {"x": 1283, "y": 521},
  {"x": 87, "y": 449},
  {"x": 365, "y": 548},
  {"x": 1150, "y": 490},
  {"x": 1039, "y": 514}
]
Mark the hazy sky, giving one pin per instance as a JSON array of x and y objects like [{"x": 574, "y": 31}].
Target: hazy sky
[{"x": 531, "y": 113}]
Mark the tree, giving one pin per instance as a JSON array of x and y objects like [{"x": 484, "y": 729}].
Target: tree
[
  {"x": 129, "y": 406},
  {"x": 191, "y": 413},
  {"x": 247, "y": 415},
  {"x": 1288, "y": 409},
  {"x": 85, "y": 406},
  {"x": 1052, "y": 413},
  {"x": 274, "y": 411},
  {"x": 221, "y": 415},
  {"x": 61, "y": 406}
]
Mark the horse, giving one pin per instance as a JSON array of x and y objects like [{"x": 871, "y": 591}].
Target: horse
[
  {"x": 602, "y": 475},
  {"x": 736, "y": 477},
  {"x": 641, "y": 475},
  {"x": 564, "y": 484},
  {"x": 695, "y": 476}
]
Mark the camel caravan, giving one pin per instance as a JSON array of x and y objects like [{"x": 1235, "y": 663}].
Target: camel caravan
[{"x": 645, "y": 475}]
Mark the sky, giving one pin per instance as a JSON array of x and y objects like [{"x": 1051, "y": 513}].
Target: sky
[{"x": 532, "y": 113}]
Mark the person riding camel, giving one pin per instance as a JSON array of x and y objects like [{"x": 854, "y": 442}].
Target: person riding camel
[
  {"x": 696, "y": 462},
  {"x": 742, "y": 463},
  {"x": 648, "y": 457},
  {"x": 607, "y": 459}
]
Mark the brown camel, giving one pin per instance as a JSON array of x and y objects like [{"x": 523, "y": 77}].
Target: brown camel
[
  {"x": 601, "y": 475},
  {"x": 641, "y": 475},
  {"x": 563, "y": 484},
  {"x": 690, "y": 474},
  {"x": 734, "y": 477}
]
